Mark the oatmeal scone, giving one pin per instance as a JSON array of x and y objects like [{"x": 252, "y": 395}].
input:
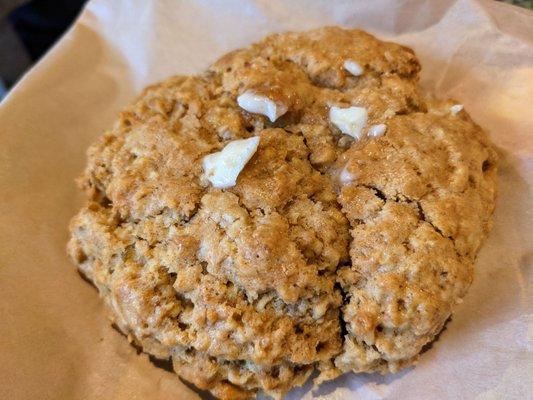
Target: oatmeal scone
[{"x": 298, "y": 206}]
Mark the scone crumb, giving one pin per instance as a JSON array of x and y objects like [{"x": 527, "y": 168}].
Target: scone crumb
[
  {"x": 222, "y": 168},
  {"x": 345, "y": 142},
  {"x": 258, "y": 104}
]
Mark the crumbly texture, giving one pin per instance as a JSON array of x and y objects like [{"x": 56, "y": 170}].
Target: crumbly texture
[{"x": 251, "y": 288}]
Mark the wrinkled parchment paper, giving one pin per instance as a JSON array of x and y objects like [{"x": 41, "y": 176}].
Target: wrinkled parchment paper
[{"x": 55, "y": 342}]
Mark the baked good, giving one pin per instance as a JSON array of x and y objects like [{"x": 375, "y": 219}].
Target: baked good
[{"x": 298, "y": 206}]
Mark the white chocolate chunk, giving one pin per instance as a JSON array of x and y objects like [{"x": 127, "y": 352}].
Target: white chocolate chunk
[
  {"x": 353, "y": 67},
  {"x": 257, "y": 104},
  {"x": 346, "y": 177},
  {"x": 350, "y": 121},
  {"x": 455, "y": 109},
  {"x": 222, "y": 168},
  {"x": 377, "y": 130}
]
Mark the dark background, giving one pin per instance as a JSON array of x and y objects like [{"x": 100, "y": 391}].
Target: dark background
[{"x": 29, "y": 28}]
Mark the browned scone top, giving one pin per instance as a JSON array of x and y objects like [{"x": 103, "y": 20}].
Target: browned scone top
[{"x": 329, "y": 252}]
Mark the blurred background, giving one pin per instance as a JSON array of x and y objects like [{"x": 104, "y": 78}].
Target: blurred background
[{"x": 29, "y": 28}]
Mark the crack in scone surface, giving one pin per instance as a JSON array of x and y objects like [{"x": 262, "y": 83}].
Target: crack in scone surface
[{"x": 252, "y": 287}]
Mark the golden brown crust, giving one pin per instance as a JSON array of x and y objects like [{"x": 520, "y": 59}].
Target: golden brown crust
[{"x": 250, "y": 288}]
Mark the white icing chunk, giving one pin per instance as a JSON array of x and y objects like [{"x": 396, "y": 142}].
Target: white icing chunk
[
  {"x": 350, "y": 121},
  {"x": 353, "y": 67},
  {"x": 222, "y": 168},
  {"x": 455, "y": 109},
  {"x": 257, "y": 104},
  {"x": 377, "y": 130},
  {"x": 346, "y": 176}
]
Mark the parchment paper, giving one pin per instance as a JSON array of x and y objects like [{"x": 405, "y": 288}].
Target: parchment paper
[{"x": 55, "y": 342}]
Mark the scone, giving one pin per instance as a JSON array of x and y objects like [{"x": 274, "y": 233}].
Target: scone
[{"x": 298, "y": 206}]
